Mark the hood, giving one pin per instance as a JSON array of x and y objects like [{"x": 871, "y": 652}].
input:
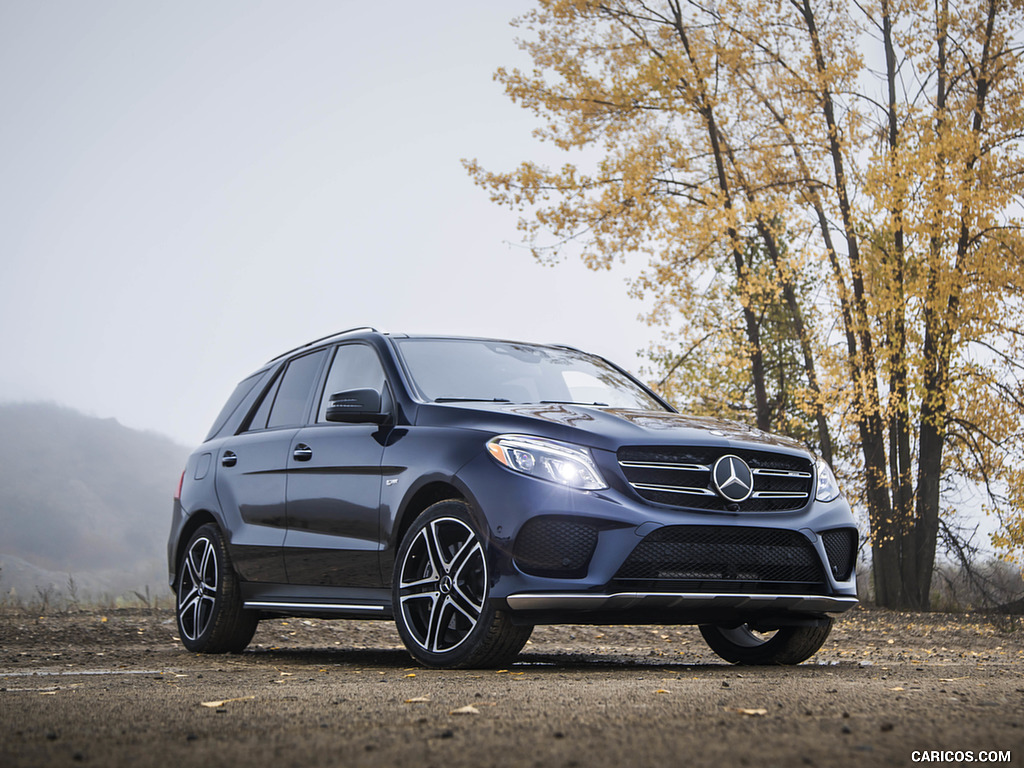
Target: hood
[{"x": 612, "y": 428}]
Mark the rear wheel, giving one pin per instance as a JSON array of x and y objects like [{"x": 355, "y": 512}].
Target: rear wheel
[
  {"x": 441, "y": 594},
  {"x": 209, "y": 602},
  {"x": 786, "y": 645}
]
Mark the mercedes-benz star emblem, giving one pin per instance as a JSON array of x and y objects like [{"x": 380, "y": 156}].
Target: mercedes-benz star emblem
[{"x": 732, "y": 478}]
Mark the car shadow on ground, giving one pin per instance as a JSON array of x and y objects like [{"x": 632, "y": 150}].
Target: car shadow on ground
[{"x": 399, "y": 659}]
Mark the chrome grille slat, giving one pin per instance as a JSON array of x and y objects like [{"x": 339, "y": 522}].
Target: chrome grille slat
[
  {"x": 673, "y": 489},
  {"x": 666, "y": 465},
  {"x": 780, "y": 473}
]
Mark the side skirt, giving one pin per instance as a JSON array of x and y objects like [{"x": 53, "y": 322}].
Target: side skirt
[{"x": 317, "y": 602}]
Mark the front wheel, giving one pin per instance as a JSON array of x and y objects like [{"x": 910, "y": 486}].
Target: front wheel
[
  {"x": 441, "y": 594},
  {"x": 209, "y": 604},
  {"x": 786, "y": 645}
]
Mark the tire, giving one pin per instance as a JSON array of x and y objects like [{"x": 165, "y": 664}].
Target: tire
[
  {"x": 440, "y": 593},
  {"x": 743, "y": 645},
  {"x": 209, "y": 602}
]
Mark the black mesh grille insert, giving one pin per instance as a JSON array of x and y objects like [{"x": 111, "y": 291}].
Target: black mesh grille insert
[
  {"x": 680, "y": 476},
  {"x": 548, "y": 546},
  {"x": 841, "y": 548},
  {"x": 708, "y": 558}
]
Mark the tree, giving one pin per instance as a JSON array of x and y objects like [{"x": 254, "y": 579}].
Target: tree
[{"x": 852, "y": 224}]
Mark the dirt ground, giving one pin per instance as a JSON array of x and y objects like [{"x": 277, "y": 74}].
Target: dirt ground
[{"x": 117, "y": 689}]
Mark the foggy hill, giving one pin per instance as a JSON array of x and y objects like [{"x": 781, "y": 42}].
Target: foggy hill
[{"x": 83, "y": 496}]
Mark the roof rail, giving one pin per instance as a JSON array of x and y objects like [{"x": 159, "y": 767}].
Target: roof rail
[{"x": 324, "y": 338}]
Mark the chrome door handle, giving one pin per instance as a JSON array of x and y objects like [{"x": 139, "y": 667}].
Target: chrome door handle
[
  {"x": 229, "y": 459},
  {"x": 302, "y": 452}
]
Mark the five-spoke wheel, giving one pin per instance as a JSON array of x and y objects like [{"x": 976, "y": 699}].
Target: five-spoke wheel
[
  {"x": 440, "y": 594},
  {"x": 209, "y": 607},
  {"x": 197, "y": 588}
]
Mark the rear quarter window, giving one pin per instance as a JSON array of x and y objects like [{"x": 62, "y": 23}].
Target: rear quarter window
[{"x": 232, "y": 411}]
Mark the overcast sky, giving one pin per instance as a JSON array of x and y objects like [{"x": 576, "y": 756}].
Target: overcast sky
[{"x": 188, "y": 189}]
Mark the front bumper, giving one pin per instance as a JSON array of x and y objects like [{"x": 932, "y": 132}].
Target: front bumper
[
  {"x": 689, "y": 602},
  {"x": 597, "y": 592},
  {"x": 726, "y": 609}
]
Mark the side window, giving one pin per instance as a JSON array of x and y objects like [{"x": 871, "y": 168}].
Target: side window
[
  {"x": 355, "y": 366},
  {"x": 289, "y": 408}
]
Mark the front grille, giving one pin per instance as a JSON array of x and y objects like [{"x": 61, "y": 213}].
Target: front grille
[
  {"x": 841, "y": 548},
  {"x": 549, "y": 546},
  {"x": 681, "y": 477},
  {"x": 705, "y": 558}
]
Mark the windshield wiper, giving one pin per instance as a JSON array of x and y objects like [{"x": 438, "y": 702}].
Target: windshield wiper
[
  {"x": 570, "y": 402},
  {"x": 471, "y": 400}
]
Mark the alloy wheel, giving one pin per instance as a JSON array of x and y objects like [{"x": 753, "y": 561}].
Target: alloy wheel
[
  {"x": 443, "y": 584},
  {"x": 197, "y": 588}
]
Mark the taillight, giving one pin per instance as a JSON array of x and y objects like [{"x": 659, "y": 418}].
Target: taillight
[{"x": 181, "y": 482}]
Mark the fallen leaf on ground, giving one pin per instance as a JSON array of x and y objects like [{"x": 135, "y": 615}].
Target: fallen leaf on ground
[
  {"x": 469, "y": 709},
  {"x": 417, "y": 700},
  {"x": 756, "y": 712},
  {"x": 222, "y": 702}
]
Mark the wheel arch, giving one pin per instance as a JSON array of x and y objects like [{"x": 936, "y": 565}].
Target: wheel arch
[
  {"x": 422, "y": 498},
  {"x": 196, "y": 520}
]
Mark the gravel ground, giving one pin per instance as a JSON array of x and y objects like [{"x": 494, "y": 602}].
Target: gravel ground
[{"x": 117, "y": 689}]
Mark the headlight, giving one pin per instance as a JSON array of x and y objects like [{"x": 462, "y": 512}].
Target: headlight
[
  {"x": 828, "y": 488},
  {"x": 561, "y": 463}
]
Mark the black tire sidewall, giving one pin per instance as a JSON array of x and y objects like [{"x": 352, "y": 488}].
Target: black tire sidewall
[{"x": 789, "y": 645}]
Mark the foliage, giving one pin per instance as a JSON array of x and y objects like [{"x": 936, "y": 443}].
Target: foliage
[{"x": 832, "y": 238}]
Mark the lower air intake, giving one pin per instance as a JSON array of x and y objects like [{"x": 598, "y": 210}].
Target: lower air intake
[
  {"x": 704, "y": 558},
  {"x": 555, "y": 548},
  {"x": 841, "y": 548}
]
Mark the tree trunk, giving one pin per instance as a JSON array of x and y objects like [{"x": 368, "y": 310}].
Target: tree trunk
[{"x": 751, "y": 325}]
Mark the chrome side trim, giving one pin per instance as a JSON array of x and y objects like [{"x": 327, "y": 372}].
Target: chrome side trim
[
  {"x": 692, "y": 600},
  {"x": 312, "y": 606},
  {"x": 779, "y": 495}
]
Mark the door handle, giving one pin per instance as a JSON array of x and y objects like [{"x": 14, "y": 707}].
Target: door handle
[
  {"x": 228, "y": 459},
  {"x": 302, "y": 452}
]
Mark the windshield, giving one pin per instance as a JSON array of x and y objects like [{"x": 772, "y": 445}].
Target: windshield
[{"x": 467, "y": 369}]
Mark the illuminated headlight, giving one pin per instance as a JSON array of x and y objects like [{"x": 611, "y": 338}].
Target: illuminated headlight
[
  {"x": 828, "y": 488},
  {"x": 561, "y": 463}
]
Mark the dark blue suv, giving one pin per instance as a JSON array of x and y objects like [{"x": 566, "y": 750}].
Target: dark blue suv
[{"x": 472, "y": 488}]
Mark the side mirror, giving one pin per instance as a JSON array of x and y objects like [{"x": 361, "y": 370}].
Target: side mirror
[{"x": 356, "y": 406}]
